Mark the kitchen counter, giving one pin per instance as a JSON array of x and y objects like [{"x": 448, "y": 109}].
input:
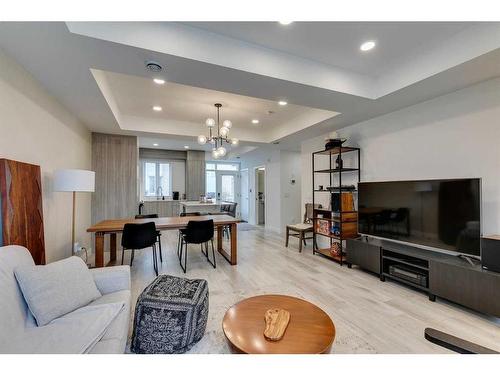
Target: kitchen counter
[
  {"x": 164, "y": 208},
  {"x": 197, "y": 206}
]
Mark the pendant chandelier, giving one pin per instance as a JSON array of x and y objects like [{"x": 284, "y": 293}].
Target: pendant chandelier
[{"x": 218, "y": 138}]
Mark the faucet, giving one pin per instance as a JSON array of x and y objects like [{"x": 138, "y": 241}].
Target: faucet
[{"x": 158, "y": 191}]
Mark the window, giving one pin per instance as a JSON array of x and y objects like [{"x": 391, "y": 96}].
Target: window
[
  {"x": 227, "y": 167},
  {"x": 157, "y": 179},
  {"x": 220, "y": 180},
  {"x": 211, "y": 183},
  {"x": 222, "y": 166}
]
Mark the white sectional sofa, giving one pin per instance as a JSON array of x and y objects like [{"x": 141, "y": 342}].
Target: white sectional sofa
[{"x": 19, "y": 332}]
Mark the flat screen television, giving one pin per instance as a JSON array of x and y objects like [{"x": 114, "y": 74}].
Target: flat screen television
[{"x": 439, "y": 214}]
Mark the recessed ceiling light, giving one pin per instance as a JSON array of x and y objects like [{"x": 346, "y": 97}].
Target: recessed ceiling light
[
  {"x": 255, "y": 121},
  {"x": 157, "y": 108},
  {"x": 186, "y": 147},
  {"x": 366, "y": 46},
  {"x": 153, "y": 66},
  {"x": 282, "y": 102},
  {"x": 155, "y": 144},
  {"x": 159, "y": 81},
  {"x": 285, "y": 22}
]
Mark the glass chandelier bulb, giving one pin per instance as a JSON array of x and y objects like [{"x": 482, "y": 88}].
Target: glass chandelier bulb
[
  {"x": 202, "y": 139},
  {"x": 223, "y": 131},
  {"x": 210, "y": 122},
  {"x": 221, "y": 151},
  {"x": 215, "y": 153},
  {"x": 235, "y": 141},
  {"x": 228, "y": 124},
  {"x": 212, "y": 141}
]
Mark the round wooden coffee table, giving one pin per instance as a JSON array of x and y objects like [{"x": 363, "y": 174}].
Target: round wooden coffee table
[{"x": 310, "y": 331}]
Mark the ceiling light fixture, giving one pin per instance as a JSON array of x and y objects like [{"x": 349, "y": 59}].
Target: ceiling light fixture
[
  {"x": 159, "y": 81},
  {"x": 153, "y": 66},
  {"x": 155, "y": 144},
  {"x": 285, "y": 22},
  {"x": 282, "y": 102},
  {"x": 186, "y": 147},
  {"x": 157, "y": 108},
  {"x": 218, "y": 150},
  {"x": 255, "y": 121},
  {"x": 366, "y": 46}
]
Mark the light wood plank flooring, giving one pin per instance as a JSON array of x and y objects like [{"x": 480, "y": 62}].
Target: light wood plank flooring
[{"x": 370, "y": 316}]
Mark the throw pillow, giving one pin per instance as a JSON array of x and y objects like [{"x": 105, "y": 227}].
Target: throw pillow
[{"x": 56, "y": 289}]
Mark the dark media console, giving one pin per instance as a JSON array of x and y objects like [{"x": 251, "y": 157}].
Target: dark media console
[{"x": 438, "y": 274}]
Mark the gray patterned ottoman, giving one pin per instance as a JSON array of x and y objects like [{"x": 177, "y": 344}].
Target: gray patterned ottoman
[{"x": 170, "y": 315}]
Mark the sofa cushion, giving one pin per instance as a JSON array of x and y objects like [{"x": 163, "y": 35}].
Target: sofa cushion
[
  {"x": 56, "y": 289},
  {"x": 118, "y": 329},
  {"x": 77, "y": 332},
  {"x": 14, "y": 313}
]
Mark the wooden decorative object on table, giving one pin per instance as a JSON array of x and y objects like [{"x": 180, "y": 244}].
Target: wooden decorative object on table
[
  {"x": 311, "y": 330},
  {"x": 276, "y": 322}
]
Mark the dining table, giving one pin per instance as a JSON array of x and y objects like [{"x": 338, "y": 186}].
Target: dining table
[{"x": 112, "y": 227}]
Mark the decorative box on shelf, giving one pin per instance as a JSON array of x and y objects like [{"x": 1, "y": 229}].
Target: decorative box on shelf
[{"x": 323, "y": 226}]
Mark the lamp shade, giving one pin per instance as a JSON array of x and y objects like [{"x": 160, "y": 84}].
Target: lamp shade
[{"x": 74, "y": 180}]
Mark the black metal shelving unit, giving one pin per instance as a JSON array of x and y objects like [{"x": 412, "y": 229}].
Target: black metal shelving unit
[{"x": 345, "y": 218}]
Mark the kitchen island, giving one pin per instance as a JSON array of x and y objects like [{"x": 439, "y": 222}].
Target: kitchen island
[{"x": 197, "y": 206}]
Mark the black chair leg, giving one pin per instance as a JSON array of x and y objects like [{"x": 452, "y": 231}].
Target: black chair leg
[
  {"x": 213, "y": 254},
  {"x": 179, "y": 250},
  {"x": 132, "y": 257},
  {"x": 204, "y": 252},
  {"x": 123, "y": 254},
  {"x": 185, "y": 257},
  {"x": 159, "y": 248},
  {"x": 182, "y": 243},
  {"x": 179, "y": 245},
  {"x": 155, "y": 260}
]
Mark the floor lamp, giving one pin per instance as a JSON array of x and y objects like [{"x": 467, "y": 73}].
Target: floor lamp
[{"x": 74, "y": 180}]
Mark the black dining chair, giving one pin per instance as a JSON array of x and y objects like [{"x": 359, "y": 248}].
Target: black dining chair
[
  {"x": 184, "y": 214},
  {"x": 197, "y": 232},
  {"x": 140, "y": 236},
  {"x": 158, "y": 233}
]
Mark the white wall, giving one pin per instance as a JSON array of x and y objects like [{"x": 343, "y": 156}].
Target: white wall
[
  {"x": 35, "y": 128},
  {"x": 455, "y": 135},
  {"x": 282, "y": 198},
  {"x": 291, "y": 202}
]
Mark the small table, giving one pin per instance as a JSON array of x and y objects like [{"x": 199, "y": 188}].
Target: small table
[{"x": 310, "y": 331}]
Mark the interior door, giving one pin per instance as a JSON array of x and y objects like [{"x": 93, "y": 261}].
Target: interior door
[
  {"x": 228, "y": 188},
  {"x": 244, "y": 195}
]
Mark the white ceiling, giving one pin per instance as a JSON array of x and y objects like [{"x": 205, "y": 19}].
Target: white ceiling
[
  {"x": 337, "y": 43},
  {"x": 185, "y": 109},
  {"x": 97, "y": 71}
]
